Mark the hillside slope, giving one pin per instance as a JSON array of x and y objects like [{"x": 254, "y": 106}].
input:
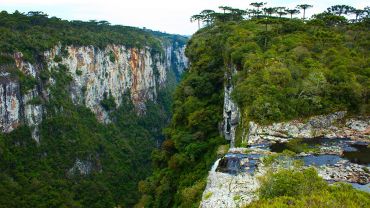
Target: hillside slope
[
  {"x": 268, "y": 70},
  {"x": 82, "y": 105}
]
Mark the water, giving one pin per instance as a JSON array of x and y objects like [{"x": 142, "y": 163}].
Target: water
[
  {"x": 229, "y": 165},
  {"x": 236, "y": 163},
  {"x": 319, "y": 160},
  {"x": 361, "y": 187},
  {"x": 215, "y": 165},
  {"x": 361, "y": 156},
  {"x": 357, "y": 152}
]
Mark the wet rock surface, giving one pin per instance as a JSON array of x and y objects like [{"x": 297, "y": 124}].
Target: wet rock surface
[
  {"x": 233, "y": 180},
  {"x": 225, "y": 189}
]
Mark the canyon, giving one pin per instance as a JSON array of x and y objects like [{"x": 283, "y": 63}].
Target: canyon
[{"x": 96, "y": 74}]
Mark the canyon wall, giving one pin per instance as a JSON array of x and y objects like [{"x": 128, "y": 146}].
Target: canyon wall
[{"x": 96, "y": 74}]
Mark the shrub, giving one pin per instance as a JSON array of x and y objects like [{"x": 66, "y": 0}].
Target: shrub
[
  {"x": 78, "y": 72},
  {"x": 108, "y": 103},
  {"x": 112, "y": 57}
]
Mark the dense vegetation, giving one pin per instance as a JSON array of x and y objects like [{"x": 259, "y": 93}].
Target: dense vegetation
[
  {"x": 39, "y": 175},
  {"x": 33, "y": 33},
  {"x": 292, "y": 188},
  {"x": 297, "y": 70},
  {"x": 113, "y": 157},
  {"x": 182, "y": 163},
  {"x": 285, "y": 68}
]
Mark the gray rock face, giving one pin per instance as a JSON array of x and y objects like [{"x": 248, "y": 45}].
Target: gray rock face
[
  {"x": 328, "y": 126},
  {"x": 226, "y": 191},
  {"x": 114, "y": 70},
  {"x": 346, "y": 172},
  {"x": 81, "y": 167},
  {"x": 230, "y": 111},
  {"x": 237, "y": 190}
]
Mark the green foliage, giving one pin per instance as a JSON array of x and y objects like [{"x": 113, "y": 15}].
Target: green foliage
[
  {"x": 58, "y": 58},
  {"x": 6, "y": 59},
  {"x": 290, "y": 183},
  {"x": 298, "y": 70},
  {"x": 112, "y": 57},
  {"x": 192, "y": 138},
  {"x": 286, "y": 69},
  {"x": 108, "y": 103},
  {"x": 26, "y": 82},
  {"x": 38, "y": 175},
  {"x": 35, "y": 101},
  {"x": 78, "y": 72},
  {"x": 293, "y": 188},
  {"x": 34, "y": 32}
]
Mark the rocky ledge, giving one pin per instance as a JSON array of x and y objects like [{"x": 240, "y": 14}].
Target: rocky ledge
[
  {"x": 334, "y": 125},
  {"x": 345, "y": 171}
]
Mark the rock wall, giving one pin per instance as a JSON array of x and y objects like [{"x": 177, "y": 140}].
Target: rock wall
[
  {"x": 333, "y": 125},
  {"x": 231, "y": 112},
  {"x": 112, "y": 71}
]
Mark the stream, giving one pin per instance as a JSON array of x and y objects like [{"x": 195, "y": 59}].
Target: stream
[{"x": 327, "y": 153}]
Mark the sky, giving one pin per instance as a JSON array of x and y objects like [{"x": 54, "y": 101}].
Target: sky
[{"x": 171, "y": 16}]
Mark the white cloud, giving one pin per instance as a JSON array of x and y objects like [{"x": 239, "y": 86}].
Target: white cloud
[{"x": 164, "y": 15}]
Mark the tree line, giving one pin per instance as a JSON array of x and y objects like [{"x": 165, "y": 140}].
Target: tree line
[{"x": 260, "y": 10}]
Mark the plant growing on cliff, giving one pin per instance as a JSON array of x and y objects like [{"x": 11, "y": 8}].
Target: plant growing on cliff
[
  {"x": 293, "y": 188},
  {"x": 108, "y": 102},
  {"x": 26, "y": 82},
  {"x": 111, "y": 56}
]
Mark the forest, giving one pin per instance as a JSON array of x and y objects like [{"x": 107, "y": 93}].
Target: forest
[
  {"x": 284, "y": 68},
  {"x": 116, "y": 155},
  {"x": 35, "y": 32}
]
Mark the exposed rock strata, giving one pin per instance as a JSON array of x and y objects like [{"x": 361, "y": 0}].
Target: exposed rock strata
[
  {"x": 329, "y": 126},
  {"x": 96, "y": 73}
]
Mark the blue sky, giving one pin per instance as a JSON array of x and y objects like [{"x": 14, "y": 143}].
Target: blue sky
[{"x": 170, "y": 16}]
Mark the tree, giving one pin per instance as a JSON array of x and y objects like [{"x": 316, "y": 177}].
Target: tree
[
  {"x": 292, "y": 12},
  {"x": 304, "y": 7},
  {"x": 225, "y": 8},
  {"x": 367, "y": 11},
  {"x": 258, "y": 5},
  {"x": 237, "y": 14},
  {"x": 330, "y": 19},
  {"x": 197, "y": 18},
  {"x": 281, "y": 13},
  {"x": 358, "y": 13},
  {"x": 340, "y": 9},
  {"x": 207, "y": 16},
  {"x": 270, "y": 10},
  {"x": 253, "y": 12}
]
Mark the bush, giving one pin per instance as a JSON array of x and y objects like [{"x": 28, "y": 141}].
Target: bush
[
  {"x": 108, "y": 103},
  {"x": 112, "y": 57},
  {"x": 290, "y": 183}
]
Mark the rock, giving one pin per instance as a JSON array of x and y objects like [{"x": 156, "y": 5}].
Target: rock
[
  {"x": 225, "y": 190},
  {"x": 229, "y": 165},
  {"x": 81, "y": 167},
  {"x": 358, "y": 125},
  {"x": 94, "y": 74},
  {"x": 344, "y": 171},
  {"x": 327, "y": 126},
  {"x": 231, "y": 112},
  {"x": 326, "y": 121}
]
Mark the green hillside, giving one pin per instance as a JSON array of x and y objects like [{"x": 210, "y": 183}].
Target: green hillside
[
  {"x": 286, "y": 69},
  {"x": 117, "y": 155}
]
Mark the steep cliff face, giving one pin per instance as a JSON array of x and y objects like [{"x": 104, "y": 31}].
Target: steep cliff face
[
  {"x": 97, "y": 74},
  {"x": 231, "y": 111}
]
